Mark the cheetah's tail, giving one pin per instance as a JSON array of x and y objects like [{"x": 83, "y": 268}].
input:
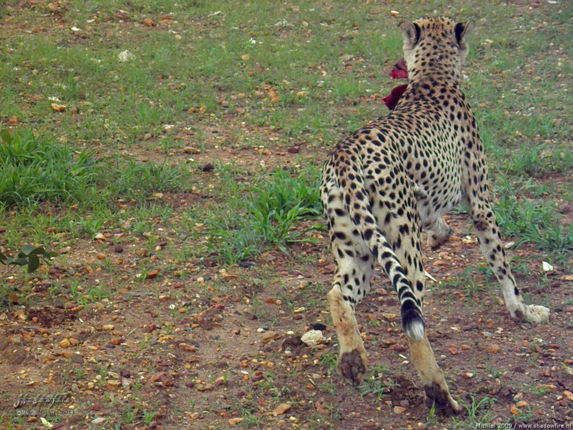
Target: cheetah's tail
[{"x": 358, "y": 206}]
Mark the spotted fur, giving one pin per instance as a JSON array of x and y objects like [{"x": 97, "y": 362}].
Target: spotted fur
[{"x": 402, "y": 173}]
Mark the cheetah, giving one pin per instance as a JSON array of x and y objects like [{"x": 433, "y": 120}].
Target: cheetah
[{"x": 402, "y": 173}]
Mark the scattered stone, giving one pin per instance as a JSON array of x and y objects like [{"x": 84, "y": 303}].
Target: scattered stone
[
  {"x": 292, "y": 342},
  {"x": 399, "y": 410},
  {"x": 116, "y": 341},
  {"x": 247, "y": 264},
  {"x": 235, "y": 421},
  {"x": 313, "y": 338},
  {"x": 77, "y": 358},
  {"x": 269, "y": 336},
  {"x": 125, "y": 56},
  {"x": 546, "y": 266},
  {"x": 209, "y": 167}
]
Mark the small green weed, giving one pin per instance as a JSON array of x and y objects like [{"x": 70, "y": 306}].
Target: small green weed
[
  {"x": 477, "y": 407},
  {"x": 29, "y": 256},
  {"x": 376, "y": 386}
]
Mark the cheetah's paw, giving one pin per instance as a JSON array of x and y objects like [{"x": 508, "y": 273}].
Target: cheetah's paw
[
  {"x": 352, "y": 365},
  {"x": 536, "y": 313},
  {"x": 435, "y": 242},
  {"x": 442, "y": 400}
]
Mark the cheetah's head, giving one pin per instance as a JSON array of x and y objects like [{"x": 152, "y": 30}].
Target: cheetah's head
[{"x": 435, "y": 47}]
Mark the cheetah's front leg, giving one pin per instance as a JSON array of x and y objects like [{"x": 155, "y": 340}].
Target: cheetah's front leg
[{"x": 491, "y": 246}]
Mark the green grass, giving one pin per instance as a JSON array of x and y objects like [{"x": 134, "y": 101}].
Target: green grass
[
  {"x": 265, "y": 215},
  {"x": 36, "y": 169},
  {"x": 531, "y": 220}
]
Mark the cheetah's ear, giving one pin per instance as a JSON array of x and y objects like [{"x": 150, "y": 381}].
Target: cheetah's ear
[
  {"x": 410, "y": 32},
  {"x": 461, "y": 30}
]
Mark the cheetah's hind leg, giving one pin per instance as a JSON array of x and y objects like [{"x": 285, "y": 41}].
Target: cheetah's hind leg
[
  {"x": 435, "y": 385},
  {"x": 352, "y": 361},
  {"x": 439, "y": 233}
]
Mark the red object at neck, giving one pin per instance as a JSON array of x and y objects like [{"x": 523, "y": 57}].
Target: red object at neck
[
  {"x": 399, "y": 71},
  {"x": 392, "y": 100}
]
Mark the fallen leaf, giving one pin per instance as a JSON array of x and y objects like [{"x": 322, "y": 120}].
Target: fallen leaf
[
  {"x": 58, "y": 108},
  {"x": 281, "y": 409},
  {"x": 152, "y": 274},
  {"x": 187, "y": 347},
  {"x": 493, "y": 349}
]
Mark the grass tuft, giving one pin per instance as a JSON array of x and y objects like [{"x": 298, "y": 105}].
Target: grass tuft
[
  {"x": 269, "y": 216},
  {"x": 36, "y": 169},
  {"x": 532, "y": 221}
]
